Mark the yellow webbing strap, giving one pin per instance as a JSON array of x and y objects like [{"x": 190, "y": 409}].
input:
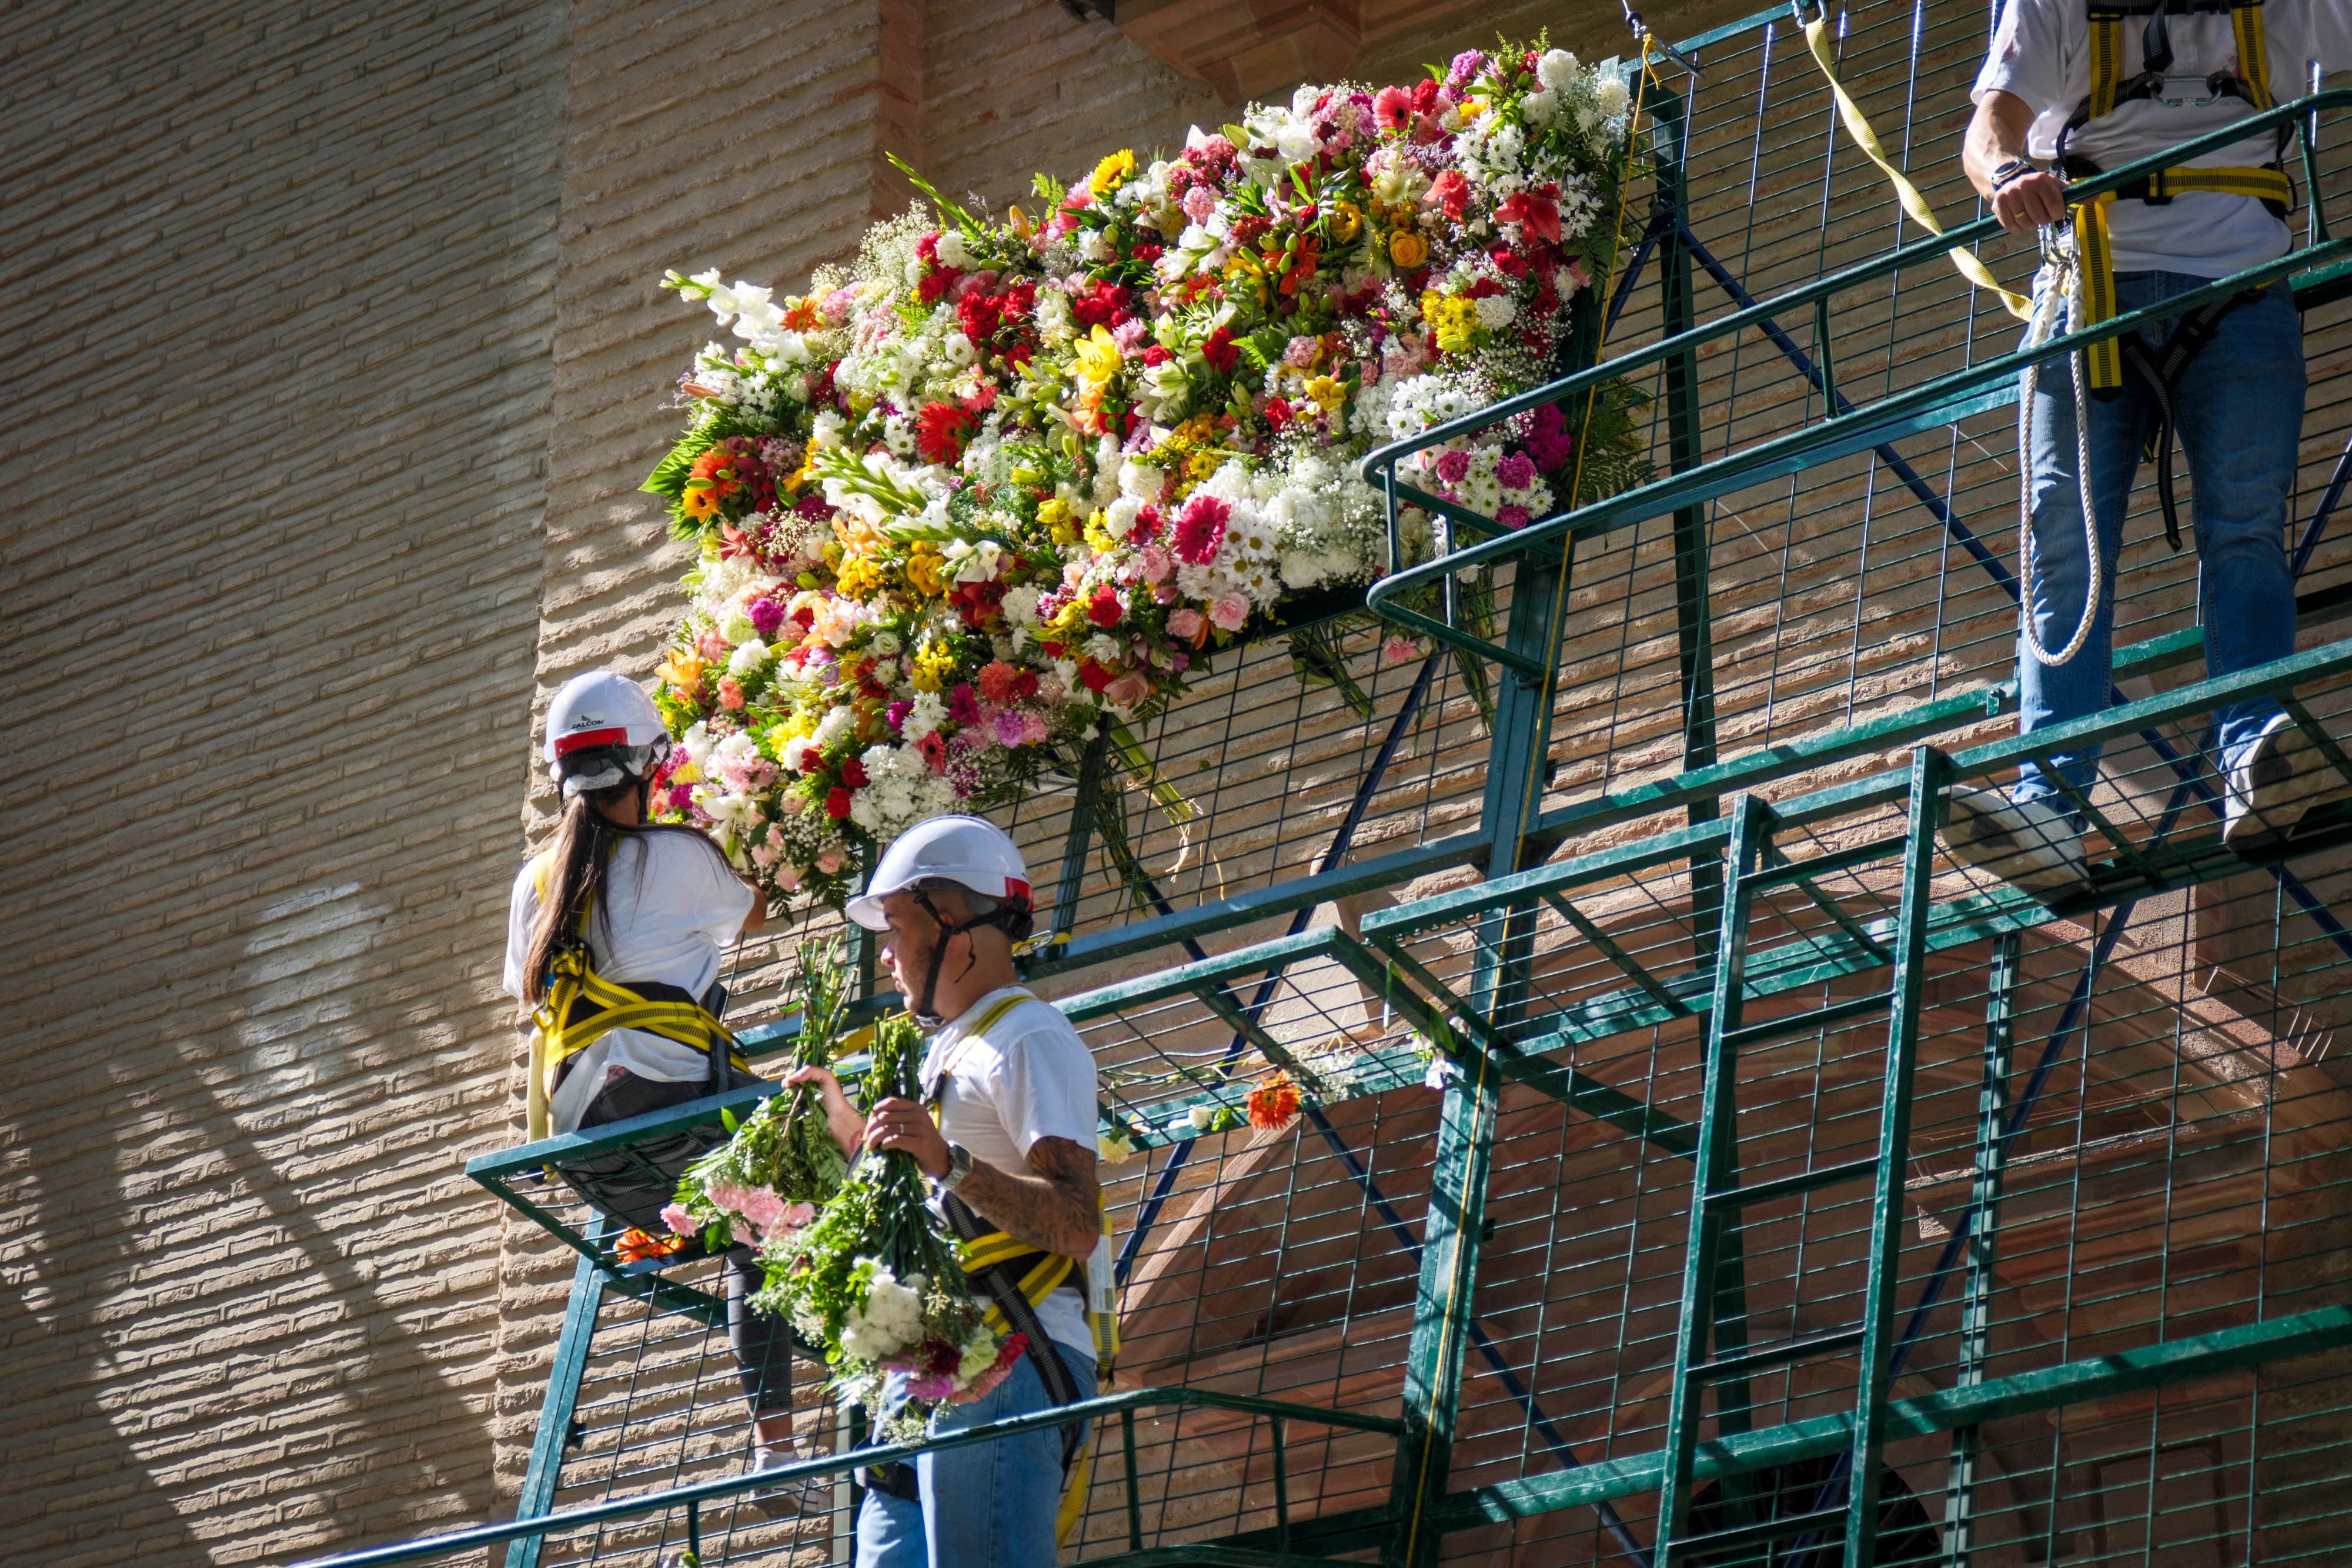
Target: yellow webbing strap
[
  {"x": 2107, "y": 61},
  {"x": 1857, "y": 126},
  {"x": 2253, "y": 55},
  {"x": 2091, "y": 245}
]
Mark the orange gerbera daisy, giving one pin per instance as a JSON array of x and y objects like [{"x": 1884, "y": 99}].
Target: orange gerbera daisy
[{"x": 1274, "y": 1103}]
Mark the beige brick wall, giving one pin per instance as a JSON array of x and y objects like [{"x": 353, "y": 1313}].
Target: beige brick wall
[{"x": 275, "y": 330}]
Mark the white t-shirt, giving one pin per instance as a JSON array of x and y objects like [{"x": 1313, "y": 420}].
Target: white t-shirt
[
  {"x": 1029, "y": 1077},
  {"x": 2040, "y": 53},
  {"x": 668, "y": 907}
]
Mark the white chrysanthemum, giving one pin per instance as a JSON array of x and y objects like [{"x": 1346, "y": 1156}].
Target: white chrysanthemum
[
  {"x": 748, "y": 659},
  {"x": 1497, "y": 311},
  {"x": 951, "y": 250},
  {"x": 1556, "y": 69}
]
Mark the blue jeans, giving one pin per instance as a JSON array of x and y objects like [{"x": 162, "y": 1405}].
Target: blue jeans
[
  {"x": 989, "y": 1505},
  {"x": 2239, "y": 414}
]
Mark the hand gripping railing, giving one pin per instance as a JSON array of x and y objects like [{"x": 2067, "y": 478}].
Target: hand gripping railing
[
  {"x": 1836, "y": 435},
  {"x": 727, "y": 1489}
]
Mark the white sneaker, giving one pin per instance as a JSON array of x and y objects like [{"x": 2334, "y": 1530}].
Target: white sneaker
[
  {"x": 809, "y": 1498},
  {"x": 2276, "y": 779},
  {"x": 2031, "y": 844}
]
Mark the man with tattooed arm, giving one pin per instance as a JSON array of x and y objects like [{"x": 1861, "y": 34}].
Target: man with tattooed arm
[{"x": 1006, "y": 1132}]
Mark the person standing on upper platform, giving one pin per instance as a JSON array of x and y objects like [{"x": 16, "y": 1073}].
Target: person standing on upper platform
[
  {"x": 1006, "y": 1131},
  {"x": 2068, "y": 90}
]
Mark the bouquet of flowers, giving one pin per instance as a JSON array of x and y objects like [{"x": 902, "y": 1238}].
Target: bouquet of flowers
[
  {"x": 879, "y": 1283},
  {"x": 988, "y": 492},
  {"x": 767, "y": 1180}
]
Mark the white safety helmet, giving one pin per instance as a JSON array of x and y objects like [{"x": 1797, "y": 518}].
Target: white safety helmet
[
  {"x": 601, "y": 729},
  {"x": 969, "y": 851},
  {"x": 960, "y": 852}
]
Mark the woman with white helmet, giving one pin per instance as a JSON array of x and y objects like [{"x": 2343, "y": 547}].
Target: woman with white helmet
[{"x": 623, "y": 913}]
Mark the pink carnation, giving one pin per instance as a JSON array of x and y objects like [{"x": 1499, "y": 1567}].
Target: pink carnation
[
  {"x": 1512, "y": 517},
  {"x": 1184, "y": 623},
  {"x": 680, "y": 1221},
  {"x": 1009, "y": 728},
  {"x": 1201, "y": 529},
  {"x": 1515, "y": 472},
  {"x": 1452, "y": 466},
  {"x": 1230, "y": 613},
  {"x": 1398, "y": 651}
]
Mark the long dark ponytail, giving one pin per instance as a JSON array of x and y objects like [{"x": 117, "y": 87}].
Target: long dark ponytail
[{"x": 577, "y": 862}]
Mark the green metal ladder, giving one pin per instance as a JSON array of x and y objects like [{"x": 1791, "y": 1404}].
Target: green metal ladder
[{"x": 1711, "y": 1349}]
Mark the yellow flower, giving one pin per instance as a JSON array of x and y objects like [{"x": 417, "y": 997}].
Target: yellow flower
[
  {"x": 1098, "y": 361},
  {"x": 1112, "y": 173},
  {"x": 1098, "y": 535},
  {"x": 1204, "y": 463},
  {"x": 923, "y": 564},
  {"x": 682, "y": 672},
  {"x": 1018, "y": 219},
  {"x": 1053, "y": 512},
  {"x": 1408, "y": 249},
  {"x": 1329, "y": 395},
  {"x": 702, "y": 500},
  {"x": 934, "y": 666},
  {"x": 1346, "y": 219},
  {"x": 859, "y": 576}
]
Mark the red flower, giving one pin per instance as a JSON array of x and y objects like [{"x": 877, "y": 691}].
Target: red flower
[
  {"x": 939, "y": 432},
  {"x": 1104, "y": 608},
  {"x": 1534, "y": 211},
  {"x": 996, "y": 680},
  {"x": 1104, "y": 305},
  {"x": 1146, "y": 252},
  {"x": 1200, "y": 530},
  {"x": 979, "y": 315},
  {"x": 1393, "y": 108},
  {"x": 1219, "y": 351},
  {"x": 1424, "y": 99},
  {"x": 852, "y": 774},
  {"x": 1278, "y": 413},
  {"x": 1155, "y": 355},
  {"x": 836, "y": 803},
  {"x": 1148, "y": 523},
  {"x": 1094, "y": 676},
  {"x": 1274, "y": 1103},
  {"x": 935, "y": 283},
  {"x": 935, "y": 752},
  {"x": 1450, "y": 191}
]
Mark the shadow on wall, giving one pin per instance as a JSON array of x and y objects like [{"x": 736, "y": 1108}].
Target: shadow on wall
[{"x": 277, "y": 1355}]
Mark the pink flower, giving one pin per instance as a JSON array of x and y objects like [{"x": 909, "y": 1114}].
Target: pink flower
[
  {"x": 1393, "y": 108},
  {"x": 1450, "y": 191},
  {"x": 1157, "y": 564},
  {"x": 730, "y": 693},
  {"x": 1200, "y": 203},
  {"x": 1515, "y": 472},
  {"x": 828, "y": 864},
  {"x": 1512, "y": 517},
  {"x": 1299, "y": 352},
  {"x": 1128, "y": 689},
  {"x": 1034, "y": 727},
  {"x": 712, "y": 645},
  {"x": 788, "y": 878},
  {"x": 680, "y": 1222},
  {"x": 1398, "y": 651},
  {"x": 1184, "y": 623},
  {"x": 1452, "y": 466},
  {"x": 1008, "y": 727},
  {"x": 1230, "y": 613},
  {"x": 1201, "y": 529}
]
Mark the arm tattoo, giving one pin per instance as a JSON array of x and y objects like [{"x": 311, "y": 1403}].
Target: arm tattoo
[{"x": 1051, "y": 1205}]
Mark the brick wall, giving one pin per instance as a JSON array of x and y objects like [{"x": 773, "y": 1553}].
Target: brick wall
[{"x": 275, "y": 328}]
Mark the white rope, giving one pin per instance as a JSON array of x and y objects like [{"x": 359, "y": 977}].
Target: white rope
[{"x": 2063, "y": 280}]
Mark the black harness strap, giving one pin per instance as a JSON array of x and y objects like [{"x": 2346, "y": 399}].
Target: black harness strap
[{"x": 2160, "y": 373}]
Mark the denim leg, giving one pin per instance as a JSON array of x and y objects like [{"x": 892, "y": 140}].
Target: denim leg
[
  {"x": 2240, "y": 409},
  {"x": 890, "y": 1528},
  {"x": 991, "y": 1505},
  {"x": 2079, "y": 687}
]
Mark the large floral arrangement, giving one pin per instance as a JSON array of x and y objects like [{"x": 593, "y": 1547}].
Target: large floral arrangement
[
  {"x": 876, "y": 1280},
  {"x": 988, "y": 492}
]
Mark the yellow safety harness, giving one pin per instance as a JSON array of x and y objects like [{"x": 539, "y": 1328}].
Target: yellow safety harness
[
  {"x": 2110, "y": 91},
  {"x": 1015, "y": 1278},
  {"x": 581, "y": 1007}
]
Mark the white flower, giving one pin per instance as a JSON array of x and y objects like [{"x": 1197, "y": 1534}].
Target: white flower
[
  {"x": 827, "y": 429},
  {"x": 951, "y": 250},
  {"x": 1539, "y": 107},
  {"x": 697, "y": 742},
  {"x": 1496, "y": 311},
  {"x": 1202, "y": 1117},
  {"x": 1556, "y": 69},
  {"x": 1095, "y": 245},
  {"x": 1140, "y": 480},
  {"x": 1609, "y": 96},
  {"x": 747, "y": 659},
  {"x": 958, "y": 351}
]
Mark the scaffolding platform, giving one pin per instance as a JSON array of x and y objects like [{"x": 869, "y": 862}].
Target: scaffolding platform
[{"x": 1696, "y": 1165}]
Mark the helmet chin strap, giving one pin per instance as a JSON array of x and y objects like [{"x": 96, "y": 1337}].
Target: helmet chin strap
[{"x": 925, "y": 1017}]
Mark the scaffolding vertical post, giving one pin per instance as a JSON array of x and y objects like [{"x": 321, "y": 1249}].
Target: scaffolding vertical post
[
  {"x": 1083, "y": 800},
  {"x": 1453, "y": 1229},
  {"x": 1931, "y": 773},
  {"x": 1711, "y": 1260},
  {"x": 554, "y": 1433},
  {"x": 1678, "y": 308},
  {"x": 1983, "y": 1218}
]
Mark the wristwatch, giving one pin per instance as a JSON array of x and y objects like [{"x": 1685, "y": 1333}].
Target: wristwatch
[
  {"x": 2014, "y": 169},
  {"x": 958, "y": 1168}
]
